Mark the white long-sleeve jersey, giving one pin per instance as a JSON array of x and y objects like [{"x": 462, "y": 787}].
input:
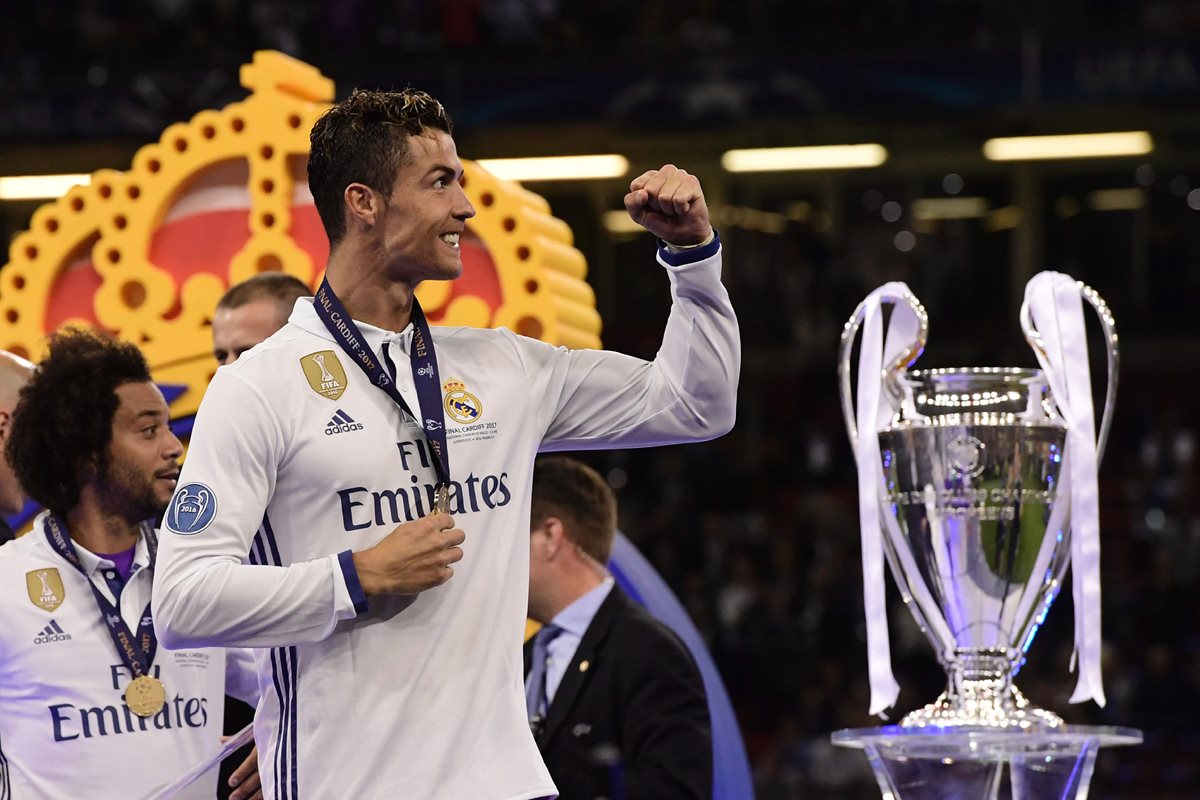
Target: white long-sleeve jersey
[
  {"x": 65, "y": 731},
  {"x": 296, "y": 460}
]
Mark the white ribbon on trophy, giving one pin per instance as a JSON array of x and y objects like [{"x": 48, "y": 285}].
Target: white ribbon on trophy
[
  {"x": 1054, "y": 307},
  {"x": 879, "y": 348}
]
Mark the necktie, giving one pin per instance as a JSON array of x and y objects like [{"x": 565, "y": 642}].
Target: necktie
[{"x": 535, "y": 688}]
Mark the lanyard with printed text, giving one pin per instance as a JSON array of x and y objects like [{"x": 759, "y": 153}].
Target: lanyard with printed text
[
  {"x": 424, "y": 373},
  {"x": 137, "y": 652}
]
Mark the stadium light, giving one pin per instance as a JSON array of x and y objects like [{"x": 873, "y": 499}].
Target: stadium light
[
  {"x": 39, "y": 187},
  {"x": 1081, "y": 145},
  {"x": 557, "y": 168},
  {"x": 781, "y": 159},
  {"x": 931, "y": 208},
  {"x": 1117, "y": 199}
]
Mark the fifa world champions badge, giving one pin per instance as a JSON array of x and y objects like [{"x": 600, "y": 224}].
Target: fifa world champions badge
[
  {"x": 324, "y": 374},
  {"x": 45, "y": 588}
]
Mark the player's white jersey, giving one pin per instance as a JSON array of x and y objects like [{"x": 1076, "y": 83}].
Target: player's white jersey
[
  {"x": 296, "y": 460},
  {"x": 65, "y": 731}
]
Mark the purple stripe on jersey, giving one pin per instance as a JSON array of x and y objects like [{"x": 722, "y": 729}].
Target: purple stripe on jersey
[
  {"x": 287, "y": 728},
  {"x": 5, "y": 788},
  {"x": 292, "y": 725},
  {"x": 279, "y": 750},
  {"x": 258, "y": 551},
  {"x": 691, "y": 256},
  {"x": 353, "y": 585},
  {"x": 271, "y": 541}
]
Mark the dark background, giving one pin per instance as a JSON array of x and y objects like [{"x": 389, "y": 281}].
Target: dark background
[{"x": 757, "y": 532}]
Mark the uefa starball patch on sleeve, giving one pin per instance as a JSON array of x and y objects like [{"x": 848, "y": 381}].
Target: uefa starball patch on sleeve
[{"x": 192, "y": 509}]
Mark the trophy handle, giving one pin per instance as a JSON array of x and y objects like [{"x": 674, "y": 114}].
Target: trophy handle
[
  {"x": 1112, "y": 351},
  {"x": 890, "y": 371}
]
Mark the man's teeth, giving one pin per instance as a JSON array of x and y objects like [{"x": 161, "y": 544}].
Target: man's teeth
[{"x": 450, "y": 238}]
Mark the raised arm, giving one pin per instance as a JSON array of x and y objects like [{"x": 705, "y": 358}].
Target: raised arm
[{"x": 689, "y": 391}]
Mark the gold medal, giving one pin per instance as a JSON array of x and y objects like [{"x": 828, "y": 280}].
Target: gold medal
[
  {"x": 145, "y": 695},
  {"x": 441, "y": 499}
]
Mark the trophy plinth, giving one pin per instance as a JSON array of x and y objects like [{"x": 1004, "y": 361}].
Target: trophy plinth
[{"x": 990, "y": 764}]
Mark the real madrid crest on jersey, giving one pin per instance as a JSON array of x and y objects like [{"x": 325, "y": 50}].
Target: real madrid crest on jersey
[
  {"x": 462, "y": 406},
  {"x": 45, "y": 588},
  {"x": 324, "y": 373}
]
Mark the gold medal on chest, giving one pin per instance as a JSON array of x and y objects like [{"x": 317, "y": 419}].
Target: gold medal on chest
[
  {"x": 145, "y": 696},
  {"x": 441, "y": 499}
]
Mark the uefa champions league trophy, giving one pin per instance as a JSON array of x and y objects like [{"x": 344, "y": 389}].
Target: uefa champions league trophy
[{"x": 978, "y": 485}]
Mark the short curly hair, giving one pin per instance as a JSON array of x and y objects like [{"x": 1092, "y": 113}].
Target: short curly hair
[
  {"x": 364, "y": 139},
  {"x": 62, "y": 425}
]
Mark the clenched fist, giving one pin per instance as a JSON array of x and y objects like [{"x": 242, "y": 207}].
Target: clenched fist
[{"x": 669, "y": 203}]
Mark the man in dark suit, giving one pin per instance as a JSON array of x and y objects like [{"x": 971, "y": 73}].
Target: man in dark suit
[
  {"x": 616, "y": 701},
  {"x": 15, "y": 372}
]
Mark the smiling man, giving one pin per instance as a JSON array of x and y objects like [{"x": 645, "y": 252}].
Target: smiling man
[
  {"x": 336, "y": 453},
  {"x": 89, "y": 705}
]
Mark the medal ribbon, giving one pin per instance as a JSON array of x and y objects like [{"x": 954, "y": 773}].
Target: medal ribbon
[
  {"x": 137, "y": 653},
  {"x": 423, "y": 360},
  {"x": 1054, "y": 302}
]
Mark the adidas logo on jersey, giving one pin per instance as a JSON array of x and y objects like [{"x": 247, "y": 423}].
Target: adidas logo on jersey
[
  {"x": 341, "y": 423},
  {"x": 51, "y": 633}
]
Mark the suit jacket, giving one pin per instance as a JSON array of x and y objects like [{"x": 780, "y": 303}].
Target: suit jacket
[{"x": 630, "y": 719}]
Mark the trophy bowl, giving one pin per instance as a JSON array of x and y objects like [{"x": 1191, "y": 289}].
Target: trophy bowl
[{"x": 973, "y": 532}]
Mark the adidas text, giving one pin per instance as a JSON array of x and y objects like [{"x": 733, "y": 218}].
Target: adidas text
[
  {"x": 52, "y": 633},
  {"x": 341, "y": 423}
]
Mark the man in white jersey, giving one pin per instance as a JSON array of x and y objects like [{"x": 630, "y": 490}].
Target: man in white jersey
[
  {"x": 313, "y": 516},
  {"x": 89, "y": 705}
]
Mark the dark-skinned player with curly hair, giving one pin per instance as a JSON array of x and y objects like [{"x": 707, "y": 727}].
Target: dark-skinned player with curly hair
[{"x": 90, "y": 706}]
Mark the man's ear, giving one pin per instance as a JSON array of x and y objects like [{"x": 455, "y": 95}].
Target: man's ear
[
  {"x": 362, "y": 203},
  {"x": 556, "y": 537}
]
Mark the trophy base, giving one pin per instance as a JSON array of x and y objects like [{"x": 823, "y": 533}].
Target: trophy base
[
  {"x": 988, "y": 763},
  {"x": 1003, "y": 709}
]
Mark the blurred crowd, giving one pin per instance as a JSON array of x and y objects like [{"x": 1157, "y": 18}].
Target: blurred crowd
[{"x": 111, "y": 67}]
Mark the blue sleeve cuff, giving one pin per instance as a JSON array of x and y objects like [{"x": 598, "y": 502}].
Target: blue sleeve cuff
[
  {"x": 689, "y": 256},
  {"x": 357, "y": 595}
]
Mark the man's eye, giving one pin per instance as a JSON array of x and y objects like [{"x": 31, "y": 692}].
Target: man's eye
[{"x": 150, "y": 431}]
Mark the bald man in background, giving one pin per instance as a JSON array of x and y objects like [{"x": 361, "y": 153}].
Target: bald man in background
[
  {"x": 253, "y": 310},
  {"x": 15, "y": 372}
]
